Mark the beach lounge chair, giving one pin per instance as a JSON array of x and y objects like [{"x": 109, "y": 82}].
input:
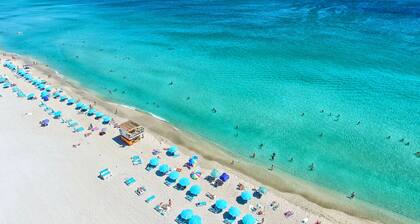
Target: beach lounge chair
[
  {"x": 161, "y": 209},
  {"x": 42, "y": 104},
  {"x": 190, "y": 197},
  {"x": 140, "y": 190},
  {"x": 288, "y": 214},
  {"x": 151, "y": 198},
  {"x": 136, "y": 160},
  {"x": 72, "y": 123},
  {"x": 79, "y": 129},
  {"x": 229, "y": 220},
  {"x": 201, "y": 204},
  {"x": 130, "y": 181},
  {"x": 105, "y": 173}
]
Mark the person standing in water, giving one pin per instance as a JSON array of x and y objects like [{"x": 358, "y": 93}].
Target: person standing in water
[
  {"x": 352, "y": 195},
  {"x": 312, "y": 167},
  {"x": 253, "y": 155},
  {"x": 273, "y": 156}
]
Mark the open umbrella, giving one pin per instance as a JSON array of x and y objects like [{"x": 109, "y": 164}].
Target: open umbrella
[
  {"x": 63, "y": 98},
  {"x": 246, "y": 195},
  {"x": 79, "y": 105},
  {"x": 186, "y": 214},
  {"x": 195, "y": 219},
  {"x": 214, "y": 173},
  {"x": 71, "y": 101},
  {"x": 30, "y": 96},
  {"x": 44, "y": 93},
  {"x": 91, "y": 112},
  {"x": 48, "y": 88},
  {"x": 99, "y": 114},
  {"x": 154, "y": 161},
  {"x": 248, "y": 219},
  {"x": 234, "y": 211},
  {"x": 262, "y": 190},
  {"x": 221, "y": 204},
  {"x": 173, "y": 175},
  {"x": 84, "y": 108},
  {"x": 172, "y": 150},
  {"x": 164, "y": 168},
  {"x": 106, "y": 119},
  {"x": 195, "y": 190},
  {"x": 57, "y": 114},
  {"x": 184, "y": 182}
]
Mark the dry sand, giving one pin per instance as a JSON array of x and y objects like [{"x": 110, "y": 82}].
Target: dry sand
[{"x": 44, "y": 179}]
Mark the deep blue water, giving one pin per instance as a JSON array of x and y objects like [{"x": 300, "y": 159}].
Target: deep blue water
[{"x": 260, "y": 64}]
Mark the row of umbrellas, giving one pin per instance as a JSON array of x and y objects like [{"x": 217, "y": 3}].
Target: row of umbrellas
[{"x": 234, "y": 212}]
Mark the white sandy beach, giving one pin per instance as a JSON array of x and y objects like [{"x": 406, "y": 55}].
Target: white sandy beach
[{"x": 44, "y": 179}]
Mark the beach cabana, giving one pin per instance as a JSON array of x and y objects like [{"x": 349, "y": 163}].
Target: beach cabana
[
  {"x": 71, "y": 101},
  {"x": 195, "y": 219},
  {"x": 164, "y": 168},
  {"x": 131, "y": 132},
  {"x": 186, "y": 214},
  {"x": 248, "y": 219},
  {"x": 246, "y": 195}
]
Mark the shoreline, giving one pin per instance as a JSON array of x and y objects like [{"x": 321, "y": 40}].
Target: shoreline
[{"x": 304, "y": 194}]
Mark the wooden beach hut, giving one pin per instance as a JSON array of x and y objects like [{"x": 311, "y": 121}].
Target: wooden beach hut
[{"x": 131, "y": 132}]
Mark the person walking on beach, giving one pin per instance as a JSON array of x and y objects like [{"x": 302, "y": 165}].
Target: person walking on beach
[{"x": 272, "y": 167}]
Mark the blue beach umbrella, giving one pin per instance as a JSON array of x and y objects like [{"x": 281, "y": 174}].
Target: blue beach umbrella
[
  {"x": 30, "y": 96},
  {"x": 45, "y": 98},
  {"x": 106, "y": 120},
  {"x": 195, "y": 220},
  {"x": 6, "y": 85},
  {"x": 184, "y": 182},
  {"x": 234, "y": 211},
  {"x": 99, "y": 114},
  {"x": 154, "y": 161},
  {"x": 2, "y": 79},
  {"x": 56, "y": 94},
  {"x": 63, "y": 98},
  {"x": 84, "y": 107},
  {"x": 195, "y": 190},
  {"x": 164, "y": 168},
  {"x": 173, "y": 175},
  {"x": 44, "y": 93},
  {"x": 57, "y": 114},
  {"x": 79, "y": 105},
  {"x": 214, "y": 173},
  {"x": 91, "y": 112},
  {"x": 172, "y": 150},
  {"x": 246, "y": 195},
  {"x": 262, "y": 190},
  {"x": 48, "y": 88},
  {"x": 186, "y": 214},
  {"x": 43, "y": 81},
  {"x": 221, "y": 204},
  {"x": 71, "y": 101},
  {"x": 41, "y": 86},
  {"x": 248, "y": 219}
]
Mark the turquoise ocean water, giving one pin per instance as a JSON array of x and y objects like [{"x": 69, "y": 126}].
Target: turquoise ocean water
[{"x": 296, "y": 76}]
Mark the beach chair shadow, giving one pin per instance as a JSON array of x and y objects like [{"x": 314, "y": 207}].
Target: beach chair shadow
[
  {"x": 257, "y": 194},
  {"x": 159, "y": 174}
]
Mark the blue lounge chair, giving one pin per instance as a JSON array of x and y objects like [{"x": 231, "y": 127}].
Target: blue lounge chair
[
  {"x": 136, "y": 160},
  {"x": 130, "y": 181},
  {"x": 105, "y": 173},
  {"x": 201, "y": 204},
  {"x": 79, "y": 129},
  {"x": 151, "y": 198}
]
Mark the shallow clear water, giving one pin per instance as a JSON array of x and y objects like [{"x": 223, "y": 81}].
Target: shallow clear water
[{"x": 261, "y": 64}]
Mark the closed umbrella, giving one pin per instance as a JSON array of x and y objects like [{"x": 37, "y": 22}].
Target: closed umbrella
[
  {"x": 221, "y": 204},
  {"x": 154, "y": 161},
  {"x": 186, "y": 214},
  {"x": 248, "y": 219},
  {"x": 195, "y": 190},
  {"x": 164, "y": 168},
  {"x": 246, "y": 195},
  {"x": 234, "y": 211},
  {"x": 195, "y": 219},
  {"x": 184, "y": 182}
]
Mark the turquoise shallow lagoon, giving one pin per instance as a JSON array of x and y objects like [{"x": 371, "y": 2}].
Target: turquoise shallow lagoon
[{"x": 324, "y": 82}]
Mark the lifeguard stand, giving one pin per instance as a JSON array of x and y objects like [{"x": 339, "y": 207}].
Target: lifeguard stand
[{"x": 131, "y": 132}]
